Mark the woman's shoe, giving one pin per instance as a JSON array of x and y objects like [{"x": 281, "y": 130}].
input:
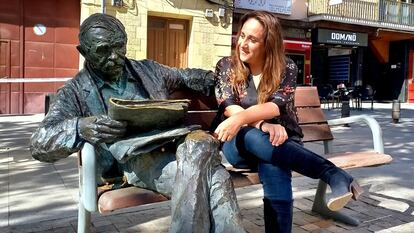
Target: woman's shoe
[
  {"x": 343, "y": 188},
  {"x": 336, "y": 202},
  {"x": 356, "y": 190}
]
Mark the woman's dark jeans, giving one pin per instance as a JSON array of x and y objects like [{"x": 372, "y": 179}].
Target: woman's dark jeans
[
  {"x": 251, "y": 147},
  {"x": 276, "y": 181},
  {"x": 275, "y": 163}
]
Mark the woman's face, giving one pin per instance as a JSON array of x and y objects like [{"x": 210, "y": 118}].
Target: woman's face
[{"x": 251, "y": 43}]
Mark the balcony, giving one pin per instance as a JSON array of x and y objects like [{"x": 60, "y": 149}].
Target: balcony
[{"x": 375, "y": 13}]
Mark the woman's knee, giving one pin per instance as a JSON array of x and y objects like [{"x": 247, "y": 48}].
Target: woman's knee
[{"x": 233, "y": 156}]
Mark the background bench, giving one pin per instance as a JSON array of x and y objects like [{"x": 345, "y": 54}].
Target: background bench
[{"x": 202, "y": 111}]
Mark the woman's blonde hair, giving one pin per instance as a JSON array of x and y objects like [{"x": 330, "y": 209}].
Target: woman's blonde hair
[{"x": 274, "y": 64}]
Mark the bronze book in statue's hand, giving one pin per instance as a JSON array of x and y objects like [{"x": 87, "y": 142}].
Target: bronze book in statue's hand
[{"x": 146, "y": 115}]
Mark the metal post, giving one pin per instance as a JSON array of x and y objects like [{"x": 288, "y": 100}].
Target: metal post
[
  {"x": 396, "y": 111},
  {"x": 345, "y": 110},
  {"x": 103, "y": 6}
]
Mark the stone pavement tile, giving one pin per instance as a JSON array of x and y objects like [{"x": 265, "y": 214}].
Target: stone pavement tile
[
  {"x": 148, "y": 215},
  {"x": 403, "y": 228},
  {"x": 42, "y": 197},
  {"x": 360, "y": 230},
  {"x": 254, "y": 217},
  {"x": 296, "y": 229},
  {"x": 310, "y": 227},
  {"x": 63, "y": 222},
  {"x": 106, "y": 229},
  {"x": 365, "y": 198},
  {"x": 101, "y": 222},
  {"x": 391, "y": 222},
  {"x": 375, "y": 227},
  {"x": 299, "y": 220},
  {"x": 257, "y": 211},
  {"x": 67, "y": 170},
  {"x": 250, "y": 204},
  {"x": 46, "y": 231},
  {"x": 323, "y": 223},
  {"x": 336, "y": 229},
  {"x": 303, "y": 204},
  {"x": 391, "y": 204},
  {"x": 64, "y": 230},
  {"x": 403, "y": 217},
  {"x": 118, "y": 219},
  {"x": 321, "y": 231},
  {"x": 39, "y": 227},
  {"x": 309, "y": 216},
  {"x": 21, "y": 229},
  {"x": 4, "y": 213},
  {"x": 122, "y": 225},
  {"x": 4, "y": 188},
  {"x": 156, "y": 225},
  {"x": 74, "y": 224},
  {"x": 250, "y": 227}
]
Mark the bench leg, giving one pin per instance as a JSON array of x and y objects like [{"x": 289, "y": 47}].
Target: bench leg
[
  {"x": 319, "y": 206},
  {"x": 84, "y": 219}
]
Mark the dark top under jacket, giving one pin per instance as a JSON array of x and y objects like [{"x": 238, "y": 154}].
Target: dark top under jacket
[{"x": 283, "y": 97}]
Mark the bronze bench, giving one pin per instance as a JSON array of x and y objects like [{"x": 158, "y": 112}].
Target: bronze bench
[{"x": 202, "y": 111}]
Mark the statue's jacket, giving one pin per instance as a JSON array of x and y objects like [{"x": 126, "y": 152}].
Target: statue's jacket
[{"x": 57, "y": 135}]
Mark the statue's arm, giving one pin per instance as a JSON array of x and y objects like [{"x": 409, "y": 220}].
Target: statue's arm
[
  {"x": 57, "y": 137},
  {"x": 196, "y": 79}
]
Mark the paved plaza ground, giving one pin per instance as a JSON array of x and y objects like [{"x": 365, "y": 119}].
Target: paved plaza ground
[{"x": 42, "y": 197}]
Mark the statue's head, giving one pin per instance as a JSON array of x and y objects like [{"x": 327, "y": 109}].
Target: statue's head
[{"x": 103, "y": 41}]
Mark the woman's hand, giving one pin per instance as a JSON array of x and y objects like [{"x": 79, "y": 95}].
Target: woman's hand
[
  {"x": 227, "y": 129},
  {"x": 278, "y": 134}
]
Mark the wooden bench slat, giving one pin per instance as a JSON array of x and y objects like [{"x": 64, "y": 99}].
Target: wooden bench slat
[
  {"x": 347, "y": 160},
  {"x": 307, "y": 97},
  {"x": 316, "y": 132},
  {"x": 127, "y": 197},
  {"x": 311, "y": 115}
]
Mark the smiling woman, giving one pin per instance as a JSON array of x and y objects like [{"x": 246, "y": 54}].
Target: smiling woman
[{"x": 255, "y": 89}]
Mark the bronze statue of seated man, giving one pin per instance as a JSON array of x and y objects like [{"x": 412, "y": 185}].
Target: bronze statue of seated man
[{"x": 186, "y": 167}]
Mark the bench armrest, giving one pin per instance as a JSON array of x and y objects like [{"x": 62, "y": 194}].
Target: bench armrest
[
  {"x": 88, "y": 187},
  {"x": 370, "y": 121}
]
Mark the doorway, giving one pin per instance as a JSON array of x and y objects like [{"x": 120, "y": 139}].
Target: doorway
[
  {"x": 5, "y": 88},
  {"x": 37, "y": 41},
  {"x": 299, "y": 60},
  {"x": 168, "y": 41}
]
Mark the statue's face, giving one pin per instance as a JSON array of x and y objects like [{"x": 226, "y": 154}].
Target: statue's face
[{"x": 106, "y": 52}]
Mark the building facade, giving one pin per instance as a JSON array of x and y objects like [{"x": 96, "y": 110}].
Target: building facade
[
  {"x": 38, "y": 41},
  {"x": 355, "y": 42},
  {"x": 364, "y": 43},
  {"x": 360, "y": 43}
]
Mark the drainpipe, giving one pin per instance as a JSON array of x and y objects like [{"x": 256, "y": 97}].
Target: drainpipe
[{"x": 103, "y": 7}]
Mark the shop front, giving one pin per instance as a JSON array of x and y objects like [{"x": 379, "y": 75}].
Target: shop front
[
  {"x": 300, "y": 52},
  {"x": 338, "y": 57}
]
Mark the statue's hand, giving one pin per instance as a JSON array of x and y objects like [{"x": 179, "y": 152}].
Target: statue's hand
[{"x": 97, "y": 129}]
